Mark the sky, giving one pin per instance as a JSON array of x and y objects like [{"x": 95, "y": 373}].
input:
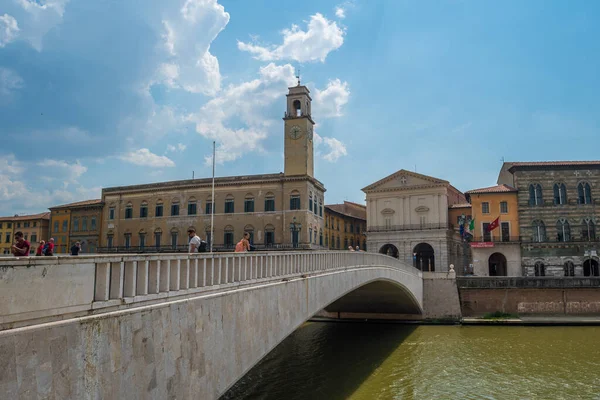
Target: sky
[{"x": 107, "y": 93}]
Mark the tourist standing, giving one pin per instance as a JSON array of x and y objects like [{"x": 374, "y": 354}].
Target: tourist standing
[
  {"x": 40, "y": 249},
  {"x": 195, "y": 241},
  {"x": 21, "y": 246},
  {"x": 244, "y": 244},
  {"x": 75, "y": 249},
  {"x": 49, "y": 248}
]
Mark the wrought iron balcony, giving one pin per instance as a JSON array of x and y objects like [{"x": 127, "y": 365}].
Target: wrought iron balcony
[{"x": 496, "y": 239}]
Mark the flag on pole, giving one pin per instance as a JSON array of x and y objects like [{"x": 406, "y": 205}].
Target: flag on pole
[
  {"x": 493, "y": 225},
  {"x": 471, "y": 229}
]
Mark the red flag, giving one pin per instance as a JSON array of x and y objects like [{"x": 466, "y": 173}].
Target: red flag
[{"x": 493, "y": 225}]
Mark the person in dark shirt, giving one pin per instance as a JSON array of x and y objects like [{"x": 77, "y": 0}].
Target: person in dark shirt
[
  {"x": 21, "y": 246},
  {"x": 75, "y": 249}
]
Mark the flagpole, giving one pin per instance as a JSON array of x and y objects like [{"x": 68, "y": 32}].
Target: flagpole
[{"x": 212, "y": 206}]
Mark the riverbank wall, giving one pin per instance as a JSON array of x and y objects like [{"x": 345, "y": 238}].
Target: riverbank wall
[{"x": 544, "y": 296}]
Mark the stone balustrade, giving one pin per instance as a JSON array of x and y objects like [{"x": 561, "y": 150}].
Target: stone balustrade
[{"x": 42, "y": 289}]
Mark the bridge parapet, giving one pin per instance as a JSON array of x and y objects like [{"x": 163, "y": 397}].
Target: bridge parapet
[{"x": 35, "y": 290}]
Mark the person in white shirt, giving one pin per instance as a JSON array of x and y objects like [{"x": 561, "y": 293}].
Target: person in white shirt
[{"x": 194, "y": 241}]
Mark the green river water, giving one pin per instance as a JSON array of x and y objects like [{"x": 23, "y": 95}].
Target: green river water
[{"x": 388, "y": 361}]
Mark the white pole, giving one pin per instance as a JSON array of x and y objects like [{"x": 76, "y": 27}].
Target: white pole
[{"x": 212, "y": 207}]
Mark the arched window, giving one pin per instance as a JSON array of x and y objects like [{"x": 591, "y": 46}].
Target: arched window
[
  {"x": 326, "y": 241},
  {"x": 539, "y": 231},
  {"x": 269, "y": 202},
  {"x": 569, "y": 268},
  {"x": 158, "y": 211},
  {"x": 128, "y": 211},
  {"x": 144, "y": 209},
  {"x": 588, "y": 230},
  {"x": 332, "y": 243},
  {"x": 249, "y": 203},
  {"x": 109, "y": 239},
  {"x": 310, "y": 201},
  {"x": 320, "y": 237},
  {"x": 269, "y": 235},
  {"x": 174, "y": 237},
  {"x": 229, "y": 204},
  {"x": 142, "y": 239},
  {"x": 584, "y": 193},
  {"x": 337, "y": 243},
  {"x": 228, "y": 236},
  {"x": 535, "y": 195},
  {"x": 560, "y": 194},
  {"x": 157, "y": 237},
  {"x": 539, "y": 269},
  {"x": 209, "y": 206},
  {"x": 75, "y": 224},
  {"x": 250, "y": 230},
  {"x": 297, "y": 108},
  {"x": 295, "y": 200},
  {"x": 174, "y": 207},
  {"x": 192, "y": 206},
  {"x": 563, "y": 230}
]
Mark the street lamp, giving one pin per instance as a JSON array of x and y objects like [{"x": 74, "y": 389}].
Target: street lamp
[{"x": 295, "y": 227}]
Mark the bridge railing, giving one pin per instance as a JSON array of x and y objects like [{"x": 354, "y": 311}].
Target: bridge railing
[{"x": 34, "y": 290}]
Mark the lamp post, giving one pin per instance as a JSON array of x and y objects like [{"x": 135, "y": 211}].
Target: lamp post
[{"x": 295, "y": 227}]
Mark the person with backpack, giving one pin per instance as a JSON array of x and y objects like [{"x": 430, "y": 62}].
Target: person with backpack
[
  {"x": 49, "y": 248},
  {"x": 40, "y": 249},
  {"x": 195, "y": 242},
  {"x": 244, "y": 244}
]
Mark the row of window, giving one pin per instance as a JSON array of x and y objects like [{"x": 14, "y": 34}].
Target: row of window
[
  {"x": 563, "y": 230},
  {"x": 348, "y": 227},
  {"x": 485, "y": 207},
  {"x": 8, "y": 237},
  {"x": 228, "y": 208},
  {"x": 584, "y": 194},
  {"x": 335, "y": 243},
  {"x": 27, "y": 224},
  {"x": 590, "y": 268},
  {"x": 65, "y": 226},
  {"x": 84, "y": 224}
]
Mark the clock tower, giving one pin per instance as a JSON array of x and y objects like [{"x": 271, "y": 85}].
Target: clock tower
[{"x": 298, "y": 131}]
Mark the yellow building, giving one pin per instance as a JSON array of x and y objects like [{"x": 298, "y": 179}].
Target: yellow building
[
  {"x": 60, "y": 225},
  {"x": 345, "y": 225},
  {"x": 34, "y": 228},
  {"x": 496, "y": 252}
]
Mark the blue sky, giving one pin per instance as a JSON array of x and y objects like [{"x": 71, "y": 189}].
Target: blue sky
[{"x": 105, "y": 93}]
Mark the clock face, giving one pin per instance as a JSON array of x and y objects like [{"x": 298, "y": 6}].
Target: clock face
[
  {"x": 310, "y": 133},
  {"x": 295, "y": 132}
]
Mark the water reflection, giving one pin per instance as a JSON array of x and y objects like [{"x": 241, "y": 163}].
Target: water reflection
[{"x": 389, "y": 361}]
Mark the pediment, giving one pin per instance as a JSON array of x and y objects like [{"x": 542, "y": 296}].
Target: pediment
[
  {"x": 387, "y": 211},
  {"x": 404, "y": 179},
  {"x": 421, "y": 209}
]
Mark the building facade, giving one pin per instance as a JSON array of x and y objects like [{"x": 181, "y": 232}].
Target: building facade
[
  {"x": 60, "y": 226},
  {"x": 558, "y": 216},
  {"x": 345, "y": 225},
  {"x": 278, "y": 210},
  {"x": 83, "y": 225},
  {"x": 408, "y": 218},
  {"x": 496, "y": 252},
  {"x": 34, "y": 228}
]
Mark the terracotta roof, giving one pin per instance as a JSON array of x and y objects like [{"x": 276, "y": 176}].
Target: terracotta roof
[
  {"x": 45, "y": 215},
  {"x": 79, "y": 204},
  {"x": 461, "y": 205},
  {"x": 493, "y": 189},
  {"x": 349, "y": 209}
]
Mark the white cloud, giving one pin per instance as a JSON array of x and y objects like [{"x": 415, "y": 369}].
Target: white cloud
[
  {"x": 246, "y": 105},
  {"x": 330, "y": 101},
  {"x": 334, "y": 148},
  {"x": 62, "y": 170},
  {"x": 9, "y": 29},
  {"x": 187, "y": 35},
  {"x": 11, "y": 186},
  {"x": 9, "y": 82},
  {"x": 179, "y": 148},
  {"x": 340, "y": 12},
  {"x": 321, "y": 37},
  {"x": 146, "y": 158},
  {"x": 38, "y": 18}
]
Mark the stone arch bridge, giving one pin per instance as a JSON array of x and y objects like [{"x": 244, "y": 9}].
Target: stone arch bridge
[{"x": 176, "y": 326}]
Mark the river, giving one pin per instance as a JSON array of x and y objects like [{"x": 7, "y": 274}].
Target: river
[{"x": 388, "y": 361}]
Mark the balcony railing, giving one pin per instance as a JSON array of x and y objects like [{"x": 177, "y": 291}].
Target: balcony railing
[
  {"x": 526, "y": 282},
  {"x": 504, "y": 239},
  {"x": 408, "y": 227}
]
